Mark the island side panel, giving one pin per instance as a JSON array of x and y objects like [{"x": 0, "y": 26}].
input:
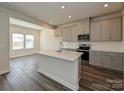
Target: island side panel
[{"x": 62, "y": 71}]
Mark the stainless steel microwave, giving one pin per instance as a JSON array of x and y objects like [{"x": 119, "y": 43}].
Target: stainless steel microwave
[{"x": 84, "y": 37}]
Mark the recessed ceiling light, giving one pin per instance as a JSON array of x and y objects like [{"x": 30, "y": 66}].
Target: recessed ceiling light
[
  {"x": 106, "y": 5},
  {"x": 69, "y": 16},
  {"x": 63, "y": 7}
]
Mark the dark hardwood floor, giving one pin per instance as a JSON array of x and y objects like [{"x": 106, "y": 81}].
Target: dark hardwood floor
[
  {"x": 23, "y": 76},
  {"x": 97, "y": 78}
]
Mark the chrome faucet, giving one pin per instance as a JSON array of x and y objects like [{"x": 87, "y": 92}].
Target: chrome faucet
[{"x": 60, "y": 46}]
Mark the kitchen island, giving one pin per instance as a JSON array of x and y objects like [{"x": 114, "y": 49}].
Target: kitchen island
[{"x": 63, "y": 67}]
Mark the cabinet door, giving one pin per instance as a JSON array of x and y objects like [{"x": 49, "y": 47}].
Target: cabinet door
[
  {"x": 74, "y": 33},
  {"x": 85, "y": 25},
  {"x": 116, "y": 29},
  {"x": 106, "y": 61},
  {"x": 123, "y": 64},
  {"x": 57, "y": 33},
  {"x": 66, "y": 34},
  {"x": 95, "y": 31},
  {"x": 105, "y": 30},
  {"x": 95, "y": 58},
  {"x": 70, "y": 34},
  {"x": 117, "y": 63}
]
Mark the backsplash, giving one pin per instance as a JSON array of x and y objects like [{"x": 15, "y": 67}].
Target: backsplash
[{"x": 73, "y": 45}]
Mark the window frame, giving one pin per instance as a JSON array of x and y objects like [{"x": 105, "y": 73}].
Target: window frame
[
  {"x": 23, "y": 41},
  {"x": 33, "y": 41}
]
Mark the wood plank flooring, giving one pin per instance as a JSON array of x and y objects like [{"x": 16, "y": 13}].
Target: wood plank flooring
[
  {"x": 97, "y": 78},
  {"x": 23, "y": 76}
]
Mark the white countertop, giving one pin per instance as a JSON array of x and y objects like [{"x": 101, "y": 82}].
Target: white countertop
[{"x": 69, "y": 56}]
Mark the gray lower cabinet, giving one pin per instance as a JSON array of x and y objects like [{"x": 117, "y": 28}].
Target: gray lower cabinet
[
  {"x": 106, "y": 61},
  {"x": 123, "y": 65},
  {"x": 111, "y": 60},
  {"x": 95, "y": 58},
  {"x": 117, "y": 63}
]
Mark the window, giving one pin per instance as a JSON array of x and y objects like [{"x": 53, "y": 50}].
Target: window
[
  {"x": 21, "y": 41},
  {"x": 29, "y": 41},
  {"x": 18, "y": 41}
]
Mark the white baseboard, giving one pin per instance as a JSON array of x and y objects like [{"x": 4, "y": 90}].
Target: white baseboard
[
  {"x": 4, "y": 71},
  {"x": 16, "y": 56},
  {"x": 63, "y": 82}
]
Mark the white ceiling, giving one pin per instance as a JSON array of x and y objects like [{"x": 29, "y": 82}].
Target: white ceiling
[
  {"x": 52, "y": 12},
  {"x": 18, "y": 22}
]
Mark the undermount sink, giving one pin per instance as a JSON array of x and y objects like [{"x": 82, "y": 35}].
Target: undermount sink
[
  {"x": 63, "y": 51},
  {"x": 59, "y": 51}
]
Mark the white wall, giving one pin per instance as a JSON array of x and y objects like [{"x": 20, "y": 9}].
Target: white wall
[
  {"x": 23, "y": 30},
  {"x": 4, "y": 42},
  {"x": 5, "y": 14},
  {"x": 48, "y": 41}
]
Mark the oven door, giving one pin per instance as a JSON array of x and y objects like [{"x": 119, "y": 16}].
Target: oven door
[{"x": 85, "y": 55}]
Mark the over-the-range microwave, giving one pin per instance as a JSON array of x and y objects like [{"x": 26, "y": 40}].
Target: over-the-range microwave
[{"x": 83, "y": 37}]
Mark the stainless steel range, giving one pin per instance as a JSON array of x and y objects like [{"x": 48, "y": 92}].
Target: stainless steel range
[{"x": 85, "y": 49}]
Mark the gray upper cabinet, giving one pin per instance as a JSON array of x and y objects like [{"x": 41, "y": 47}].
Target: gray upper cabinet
[
  {"x": 74, "y": 33},
  {"x": 95, "y": 31},
  {"x": 57, "y": 32},
  {"x": 116, "y": 29},
  {"x": 70, "y": 32},
  {"x": 66, "y": 36},
  {"x": 106, "y": 30},
  {"x": 85, "y": 26}
]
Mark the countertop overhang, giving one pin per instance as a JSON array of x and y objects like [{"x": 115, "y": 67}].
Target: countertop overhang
[{"x": 65, "y": 55}]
